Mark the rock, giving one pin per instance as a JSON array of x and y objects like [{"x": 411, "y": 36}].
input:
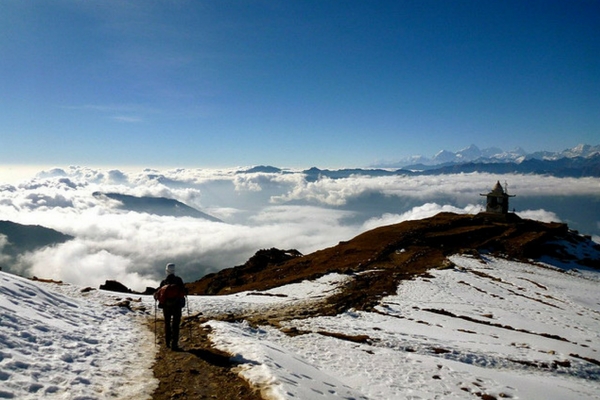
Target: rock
[{"x": 115, "y": 286}]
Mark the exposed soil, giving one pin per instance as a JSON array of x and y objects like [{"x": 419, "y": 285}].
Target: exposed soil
[{"x": 197, "y": 371}]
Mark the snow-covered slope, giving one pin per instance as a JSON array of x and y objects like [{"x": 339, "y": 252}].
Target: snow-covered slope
[
  {"x": 483, "y": 326},
  {"x": 70, "y": 345}
]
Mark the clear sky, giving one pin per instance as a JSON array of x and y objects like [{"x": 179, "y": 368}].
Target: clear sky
[{"x": 292, "y": 83}]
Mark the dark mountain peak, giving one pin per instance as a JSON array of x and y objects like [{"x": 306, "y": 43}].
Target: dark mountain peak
[
  {"x": 380, "y": 258},
  {"x": 314, "y": 173},
  {"x": 312, "y": 170},
  {"x": 26, "y": 238},
  {"x": 156, "y": 205},
  {"x": 267, "y": 169}
]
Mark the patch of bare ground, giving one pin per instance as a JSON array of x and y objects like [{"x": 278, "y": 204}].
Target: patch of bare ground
[
  {"x": 488, "y": 323},
  {"x": 197, "y": 371},
  {"x": 588, "y": 359}
]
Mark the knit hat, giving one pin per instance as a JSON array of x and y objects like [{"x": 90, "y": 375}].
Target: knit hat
[{"x": 170, "y": 269}]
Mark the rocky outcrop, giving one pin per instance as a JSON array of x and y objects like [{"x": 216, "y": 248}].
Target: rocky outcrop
[
  {"x": 223, "y": 281},
  {"x": 116, "y": 286}
]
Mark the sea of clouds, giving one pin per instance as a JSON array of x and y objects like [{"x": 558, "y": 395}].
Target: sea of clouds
[{"x": 258, "y": 210}]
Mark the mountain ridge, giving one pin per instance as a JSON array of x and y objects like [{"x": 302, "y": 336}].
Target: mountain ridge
[
  {"x": 21, "y": 238},
  {"x": 579, "y": 161},
  {"x": 473, "y": 153},
  {"x": 156, "y": 205},
  {"x": 378, "y": 259}
]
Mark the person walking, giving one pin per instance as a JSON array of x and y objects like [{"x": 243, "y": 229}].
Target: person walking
[{"x": 171, "y": 298}]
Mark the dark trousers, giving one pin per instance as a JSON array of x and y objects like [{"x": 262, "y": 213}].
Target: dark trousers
[{"x": 172, "y": 320}]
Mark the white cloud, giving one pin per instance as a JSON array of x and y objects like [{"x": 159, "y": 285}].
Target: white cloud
[
  {"x": 75, "y": 261},
  {"x": 463, "y": 187},
  {"x": 425, "y": 211},
  {"x": 262, "y": 210},
  {"x": 539, "y": 215},
  {"x": 3, "y": 243}
]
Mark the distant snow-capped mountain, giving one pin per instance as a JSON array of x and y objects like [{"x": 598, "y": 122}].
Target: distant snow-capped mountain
[
  {"x": 581, "y": 150},
  {"x": 472, "y": 153},
  {"x": 579, "y": 161},
  {"x": 489, "y": 155}
]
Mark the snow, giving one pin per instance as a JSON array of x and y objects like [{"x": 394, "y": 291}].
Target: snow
[
  {"x": 488, "y": 326},
  {"x": 485, "y": 325},
  {"x": 271, "y": 366},
  {"x": 70, "y": 345}
]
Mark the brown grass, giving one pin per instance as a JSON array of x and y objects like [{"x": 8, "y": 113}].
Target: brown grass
[{"x": 379, "y": 259}]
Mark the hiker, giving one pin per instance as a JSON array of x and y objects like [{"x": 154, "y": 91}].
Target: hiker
[{"x": 171, "y": 298}]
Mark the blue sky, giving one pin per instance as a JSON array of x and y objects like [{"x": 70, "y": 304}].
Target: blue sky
[{"x": 292, "y": 83}]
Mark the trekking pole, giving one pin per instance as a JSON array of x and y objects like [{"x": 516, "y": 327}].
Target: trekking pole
[
  {"x": 187, "y": 303},
  {"x": 155, "y": 338}
]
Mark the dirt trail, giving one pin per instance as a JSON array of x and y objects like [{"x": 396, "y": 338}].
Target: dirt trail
[
  {"x": 198, "y": 371},
  {"x": 378, "y": 260}
]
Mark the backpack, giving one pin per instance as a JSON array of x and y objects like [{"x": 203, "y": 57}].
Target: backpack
[{"x": 170, "y": 295}]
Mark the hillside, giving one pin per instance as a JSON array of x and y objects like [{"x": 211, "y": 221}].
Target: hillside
[
  {"x": 17, "y": 239},
  {"x": 381, "y": 258},
  {"x": 453, "y": 306},
  {"x": 155, "y": 205}
]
